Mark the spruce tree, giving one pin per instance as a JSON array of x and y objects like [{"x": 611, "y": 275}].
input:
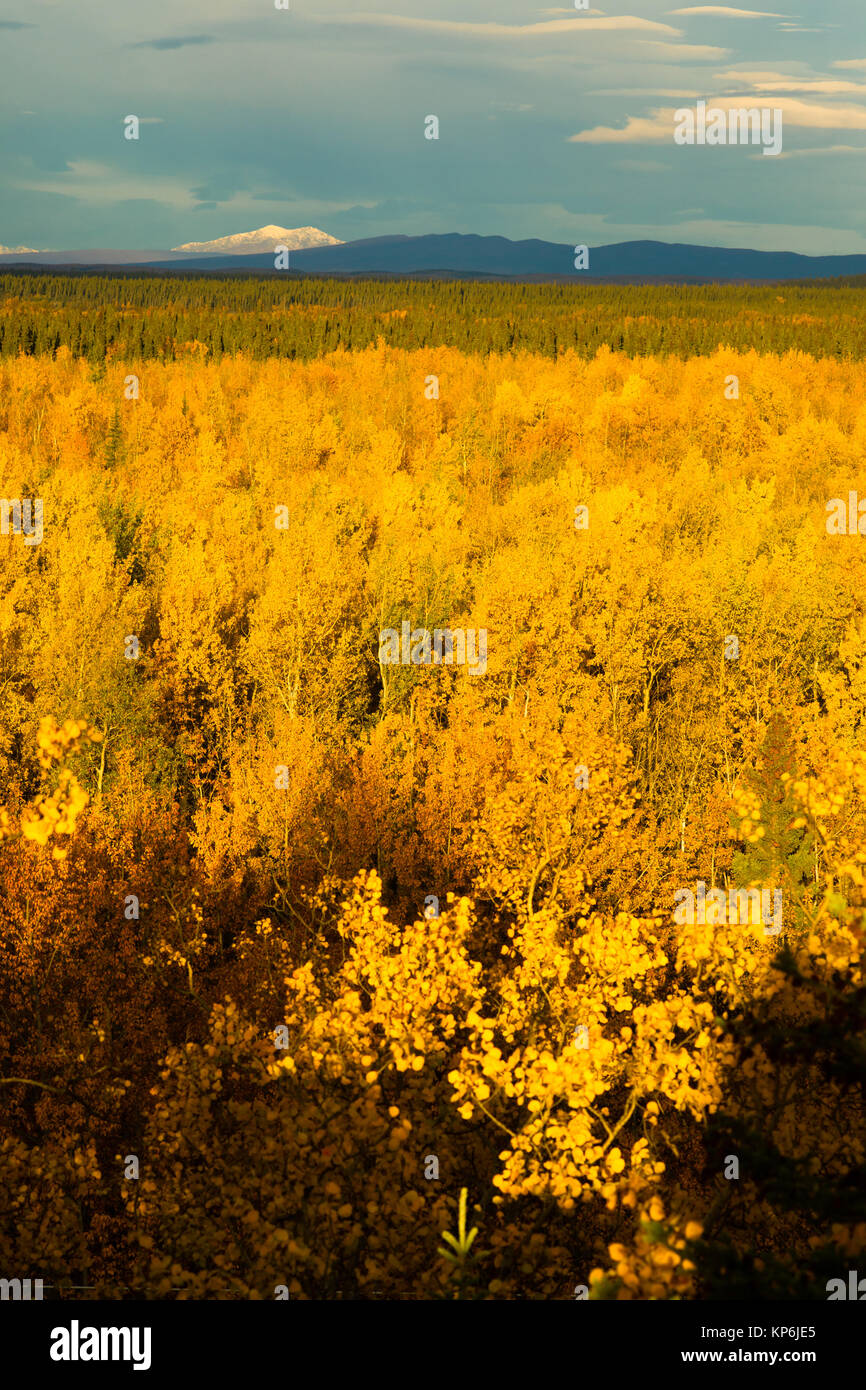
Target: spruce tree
[
  {"x": 114, "y": 444},
  {"x": 784, "y": 856}
]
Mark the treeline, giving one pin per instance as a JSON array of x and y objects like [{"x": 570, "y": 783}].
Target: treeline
[{"x": 163, "y": 318}]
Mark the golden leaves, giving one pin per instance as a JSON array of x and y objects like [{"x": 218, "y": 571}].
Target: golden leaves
[{"x": 55, "y": 814}]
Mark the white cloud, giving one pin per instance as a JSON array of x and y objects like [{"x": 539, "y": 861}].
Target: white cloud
[
  {"x": 679, "y": 93},
  {"x": 729, "y": 13},
  {"x": 638, "y": 130},
  {"x": 89, "y": 182},
  {"x": 695, "y": 52},
  {"x": 823, "y": 150},
  {"x": 473, "y": 29},
  {"x": 779, "y": 82},
  {"x": 811, "y": 116},
  {"x": 100, "y": 185},
  {"x": 658, "y": 126}
]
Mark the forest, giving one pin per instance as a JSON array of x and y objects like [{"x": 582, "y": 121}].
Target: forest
[
  {"x": 114, "y": 317},
  {"x": 325, "y": 975}
]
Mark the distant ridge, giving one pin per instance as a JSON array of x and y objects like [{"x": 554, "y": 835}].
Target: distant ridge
[{"x": 452, "y": 255}]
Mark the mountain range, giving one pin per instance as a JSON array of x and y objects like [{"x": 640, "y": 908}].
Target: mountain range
[{"x": 454, "y": 255}]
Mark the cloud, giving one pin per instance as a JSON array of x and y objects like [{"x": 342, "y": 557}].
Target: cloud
[
  {"x": 810, "y": 116},
  {"x": 101, "y": 184},
  {"x": 849, "y": 63},
  {"x": 162, "y": 44},
  {"x": 779, "y": 82},
  {"x": 823, "y": 150},
  {"x": 695, "y": 52},
  {"x": 680, "y": 93},
  {"x": 658, "y": 127},
  {"x": 473, "y": 29},
  {"x": 729, "y": 13}
]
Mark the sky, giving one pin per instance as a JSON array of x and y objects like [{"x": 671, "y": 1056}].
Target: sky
[{"x": 553, "y": 122}]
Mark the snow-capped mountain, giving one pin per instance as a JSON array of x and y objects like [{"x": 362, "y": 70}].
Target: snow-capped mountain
[
  {"x": 262, "y": 240},
  {"x": 15, "y": 250}
]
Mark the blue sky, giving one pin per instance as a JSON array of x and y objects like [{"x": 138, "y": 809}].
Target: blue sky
[{"x": 554, "y": 123}]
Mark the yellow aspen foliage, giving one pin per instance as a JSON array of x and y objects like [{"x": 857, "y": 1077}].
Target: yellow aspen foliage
[
  {"x": 57, "y": 813},
  {"x": 354, "y": 950}
]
